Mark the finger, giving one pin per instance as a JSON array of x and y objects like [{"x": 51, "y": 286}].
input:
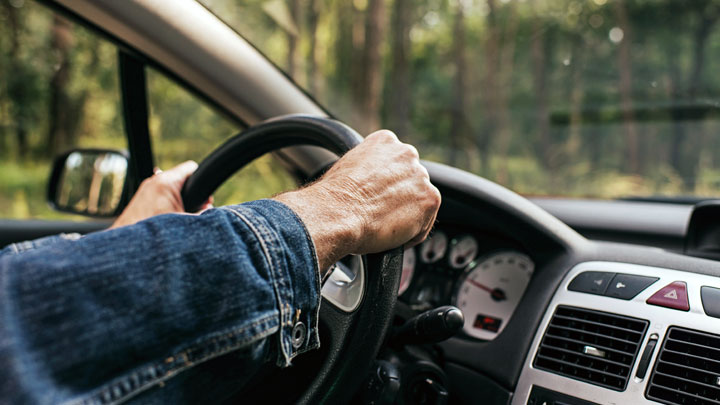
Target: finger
[
  {"x": 182, "y": 171},
  {"x": 157, "y": 170}
]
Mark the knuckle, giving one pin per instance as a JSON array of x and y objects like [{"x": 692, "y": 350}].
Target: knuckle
[
  {"x": 409, "y": 151},
  {"x": 422, "y": 171},
  {"x": 434, "y": 197},
  {"x": 385, "y": 135}
]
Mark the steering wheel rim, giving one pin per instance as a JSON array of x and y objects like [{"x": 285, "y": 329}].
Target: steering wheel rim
[{"x": 353, "y": 338}]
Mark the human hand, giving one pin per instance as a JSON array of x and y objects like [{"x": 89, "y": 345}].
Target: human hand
[
  {"x": 159, "y": 194},
  {"x": 376, "y": 197}
]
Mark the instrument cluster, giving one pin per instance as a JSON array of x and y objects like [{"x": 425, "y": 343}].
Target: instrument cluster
[{"x": 483, "y": 275}]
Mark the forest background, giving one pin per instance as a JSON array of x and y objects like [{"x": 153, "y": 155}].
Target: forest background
[{"x": 573, "y": 98}]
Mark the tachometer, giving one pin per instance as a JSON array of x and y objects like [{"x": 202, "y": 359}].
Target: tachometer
[
  {"x": 408, "y": 270},
  {"x": 491, "y": 290},
  {"x": 434, "y": 248}
]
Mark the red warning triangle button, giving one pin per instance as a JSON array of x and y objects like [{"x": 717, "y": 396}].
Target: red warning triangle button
[{"x": 673, "y": 295}]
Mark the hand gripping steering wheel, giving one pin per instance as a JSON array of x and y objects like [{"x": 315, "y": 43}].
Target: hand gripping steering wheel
[{"x": 350, "y": 340}]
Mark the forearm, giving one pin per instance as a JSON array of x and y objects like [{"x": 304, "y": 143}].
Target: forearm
[{"x": 161, "y": 295}]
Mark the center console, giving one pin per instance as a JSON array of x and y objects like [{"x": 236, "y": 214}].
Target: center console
[{"x": 618, "y": 333}]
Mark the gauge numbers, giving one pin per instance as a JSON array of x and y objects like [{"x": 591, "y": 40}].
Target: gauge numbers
[{"x": 491, "y": 290}]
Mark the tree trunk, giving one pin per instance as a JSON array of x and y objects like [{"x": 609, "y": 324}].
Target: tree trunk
[
  {"x": 539, "y": 76},
  {"x": 490, "y": 88},
  {"x": 458, "y": 124},
  {"x": 370, "y": 74},
  {"x": 344, "y": 52},
  {"x": 15, "y": 86},
  {"x": 626, "y": 103},
  {"x": 400, "y": 87},
  {"x": 292, "y": 38},
  {"x": 572, "y": 147},
  {"x": 60, "y": 105},
  {"x": 312, "y": 58}
]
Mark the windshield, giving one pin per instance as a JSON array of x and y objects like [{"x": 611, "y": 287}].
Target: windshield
[{"x": 599, "y": 99}]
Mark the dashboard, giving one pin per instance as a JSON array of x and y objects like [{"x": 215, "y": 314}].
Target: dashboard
[{"x": 554, "y": 318}]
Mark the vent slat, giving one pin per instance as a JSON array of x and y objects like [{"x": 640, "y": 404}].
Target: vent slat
[
  {"x": 685, "y": 398},
  {"x": 697, "y": 348},
  {"x": 567, "y": 363},
  {"x": 699, "y": 385},
  {"x": 619, "y": 340},
  {"x": 571, "y": 329},
  {"x": 687, "y": 370},
  {"x": 591, "y": 343},
  {"x": 585, "y": 356},
  {"x": 630, "y": 331},
  {"x": 685, "y": 357}
]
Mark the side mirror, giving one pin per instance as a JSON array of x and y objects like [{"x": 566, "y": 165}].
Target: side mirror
[{"x": 90, "y": 182}]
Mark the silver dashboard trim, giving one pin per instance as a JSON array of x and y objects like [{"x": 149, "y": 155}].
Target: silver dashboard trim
[
  {"x": 660, "y": 319},
  {"x": 345, "y": 287}
]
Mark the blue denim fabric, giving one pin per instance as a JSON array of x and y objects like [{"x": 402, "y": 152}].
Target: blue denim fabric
[{"x": 134, "y": 312}]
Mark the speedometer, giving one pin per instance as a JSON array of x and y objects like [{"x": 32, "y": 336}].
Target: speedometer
[{"x": 491, "y": 290}]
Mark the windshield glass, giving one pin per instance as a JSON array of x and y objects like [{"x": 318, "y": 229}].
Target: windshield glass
[{"x": 599, "y": 99}]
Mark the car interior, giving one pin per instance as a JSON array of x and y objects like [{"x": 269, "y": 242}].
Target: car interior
[{"x": 511, "y": 300}]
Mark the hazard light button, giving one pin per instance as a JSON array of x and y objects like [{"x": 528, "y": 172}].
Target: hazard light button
[{"x": 673, "y": 295}]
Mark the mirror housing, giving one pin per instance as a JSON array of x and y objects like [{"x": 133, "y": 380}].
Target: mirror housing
[{"x": 90, "y": 182}]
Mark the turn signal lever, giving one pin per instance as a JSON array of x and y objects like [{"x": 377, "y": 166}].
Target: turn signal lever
[{"x": 432, "y": 326}]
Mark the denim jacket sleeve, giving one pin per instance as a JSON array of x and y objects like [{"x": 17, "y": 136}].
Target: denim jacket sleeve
[{"x": 104, "y": 317}]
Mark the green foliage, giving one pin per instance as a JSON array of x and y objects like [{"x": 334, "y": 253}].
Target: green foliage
[
  {"x": 573, "y": 84},
  {"x": 601, "y": 98},
  {"x": 182, "y": 127}
]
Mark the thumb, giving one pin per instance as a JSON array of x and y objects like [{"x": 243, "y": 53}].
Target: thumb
[{"x": 181, "y": 172}]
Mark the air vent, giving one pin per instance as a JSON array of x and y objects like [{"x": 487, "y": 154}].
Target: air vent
[
  {"x": 591, "y": 346},
  {"x": 687, "y": 370}
]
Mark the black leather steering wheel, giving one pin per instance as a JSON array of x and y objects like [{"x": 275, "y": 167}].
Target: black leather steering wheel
[{"x": 349, "y": 341}]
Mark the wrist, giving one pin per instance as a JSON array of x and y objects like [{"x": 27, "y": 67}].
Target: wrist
[{"x": 332, "y": 223}]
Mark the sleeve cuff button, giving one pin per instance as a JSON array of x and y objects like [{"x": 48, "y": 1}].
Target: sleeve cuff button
[{"x": 298, "y": 335}]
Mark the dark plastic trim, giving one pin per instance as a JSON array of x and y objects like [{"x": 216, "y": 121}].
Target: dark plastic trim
[
  {"x": 133, "y": 85},
  {"x": 703, "y": 231}
]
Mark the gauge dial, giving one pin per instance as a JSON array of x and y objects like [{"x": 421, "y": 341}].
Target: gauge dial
[
  {"x": 462, "y": 251},
  {"x": 408, "y": 270},
  {"x": 434, "y": 248},
  {"x": 490, "y": 292}
]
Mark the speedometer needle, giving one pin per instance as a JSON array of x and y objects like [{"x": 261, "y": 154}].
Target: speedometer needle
[{"x": 496, "y": 294}]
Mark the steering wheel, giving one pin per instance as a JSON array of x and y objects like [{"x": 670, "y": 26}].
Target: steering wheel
[{"x": 350, "y": 340}]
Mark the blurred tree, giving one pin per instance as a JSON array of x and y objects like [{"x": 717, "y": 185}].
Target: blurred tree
[
  {"x": 625, "y": 85},
  {"x": 399, "y": 96},
  {"x": 294, "y": 8},
  {"x": 368, "y": 86},
  {"x": 540, "y": 52},
  {"x": 459, "y": 124},
  {"x": 64, "y": 111},
  {"x": 15, "y": 80},
  {"x": 313, "y": 15}
]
